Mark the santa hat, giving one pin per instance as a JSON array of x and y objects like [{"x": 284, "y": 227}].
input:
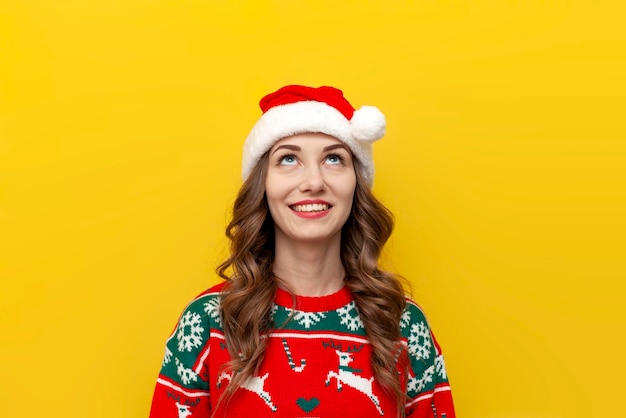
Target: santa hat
[{"x": 295, "y": 109}]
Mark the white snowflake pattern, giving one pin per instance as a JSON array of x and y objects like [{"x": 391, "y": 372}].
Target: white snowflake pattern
[
  {"x": 190, "y": 331},
  {"x": 345, "y": 314},
  {"x": 168, "y": 356},
  {"x": 306, "y": 319},
  {"x": 418, "y": 384},
  {"x": 419, "y": 341},
  {"x": 273, "y": 312},
  {"x": 212, "y": 308},
  {"x": 440, "y": 367},
  {"x": 186, "y": 375},
  {"x": 405, "y": 320}
]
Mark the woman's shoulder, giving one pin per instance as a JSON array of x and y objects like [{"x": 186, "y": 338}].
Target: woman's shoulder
[
  {"x": 413, "y": 308},
  {"x": 203, "y": 309},
  {"x": 413, "y": 318}
]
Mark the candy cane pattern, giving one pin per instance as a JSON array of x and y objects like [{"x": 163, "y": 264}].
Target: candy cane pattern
[{"x": 292, "y": 364}]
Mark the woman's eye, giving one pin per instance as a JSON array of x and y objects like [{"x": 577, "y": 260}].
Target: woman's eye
[
  {"x": 334, "y": 159},
  {"x": 288, "y": 160}
]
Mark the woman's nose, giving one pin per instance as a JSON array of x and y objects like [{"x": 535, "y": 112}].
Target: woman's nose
[{"x": 313, "y": 179}]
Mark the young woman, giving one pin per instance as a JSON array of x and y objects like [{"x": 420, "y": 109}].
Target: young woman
[{"x": 305, "y": 323}]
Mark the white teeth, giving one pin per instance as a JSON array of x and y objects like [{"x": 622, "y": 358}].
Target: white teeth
[{"x": 313, "y": 207}]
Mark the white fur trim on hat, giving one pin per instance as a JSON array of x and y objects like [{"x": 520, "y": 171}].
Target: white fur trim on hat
[{"x": 367, "y": 125}]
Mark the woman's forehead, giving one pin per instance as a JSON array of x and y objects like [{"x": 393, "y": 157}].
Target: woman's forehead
[{"x": 309, "y": 139}]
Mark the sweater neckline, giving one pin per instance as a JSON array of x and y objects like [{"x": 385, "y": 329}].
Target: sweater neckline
[{"x": 330, "y": 302}]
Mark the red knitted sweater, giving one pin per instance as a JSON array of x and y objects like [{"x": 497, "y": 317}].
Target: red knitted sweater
[{"x": 317, "y": 365}]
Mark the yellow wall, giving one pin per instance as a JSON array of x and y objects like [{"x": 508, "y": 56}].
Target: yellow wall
[{"x": 121, "y": 124}]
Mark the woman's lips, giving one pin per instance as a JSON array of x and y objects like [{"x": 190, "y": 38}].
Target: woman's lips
[{"x": 311, "y": 209}]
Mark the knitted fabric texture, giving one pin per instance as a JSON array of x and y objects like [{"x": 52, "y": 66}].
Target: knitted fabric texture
[{"x": 318, "y": 365}]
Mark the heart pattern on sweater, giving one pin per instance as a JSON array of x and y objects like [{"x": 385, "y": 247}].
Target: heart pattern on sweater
[{"x": 307, "y": 405}]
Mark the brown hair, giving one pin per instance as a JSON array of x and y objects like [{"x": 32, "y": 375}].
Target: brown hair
[{"x": 251, "y": 286}]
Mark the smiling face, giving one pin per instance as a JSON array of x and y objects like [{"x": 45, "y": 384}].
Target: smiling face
[{"x": 309, "y": 187}]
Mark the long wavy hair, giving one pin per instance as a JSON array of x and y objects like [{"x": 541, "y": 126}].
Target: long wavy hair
[{"x": 251, "y": 286}]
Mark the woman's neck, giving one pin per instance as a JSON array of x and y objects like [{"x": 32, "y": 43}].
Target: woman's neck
[{"x": 309, "y": 269}]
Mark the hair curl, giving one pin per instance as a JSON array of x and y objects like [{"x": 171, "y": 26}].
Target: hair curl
[{"x": 251, "y": 286}]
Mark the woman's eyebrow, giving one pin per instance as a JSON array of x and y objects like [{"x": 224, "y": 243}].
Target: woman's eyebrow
[
  {"x": 287, "y": 146},
  {"x": 335, "y": 146}
]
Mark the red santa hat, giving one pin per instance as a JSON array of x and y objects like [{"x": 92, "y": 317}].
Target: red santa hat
[{"x": 296, "y": 109}]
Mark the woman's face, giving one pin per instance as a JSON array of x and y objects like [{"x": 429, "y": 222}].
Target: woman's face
[{"x": 309, "y": 186}]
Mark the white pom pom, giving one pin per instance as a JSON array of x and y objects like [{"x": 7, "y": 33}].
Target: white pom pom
[{"x": 368, "y": 124}]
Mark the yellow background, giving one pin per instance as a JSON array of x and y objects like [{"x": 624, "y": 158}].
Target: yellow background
[{"x": 121, "y": 125}]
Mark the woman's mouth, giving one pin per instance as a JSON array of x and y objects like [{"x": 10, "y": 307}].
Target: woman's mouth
[{"x": 310, "y": 207}]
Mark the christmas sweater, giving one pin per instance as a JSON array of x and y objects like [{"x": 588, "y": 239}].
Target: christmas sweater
[{"x": 317, "y": 364}]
